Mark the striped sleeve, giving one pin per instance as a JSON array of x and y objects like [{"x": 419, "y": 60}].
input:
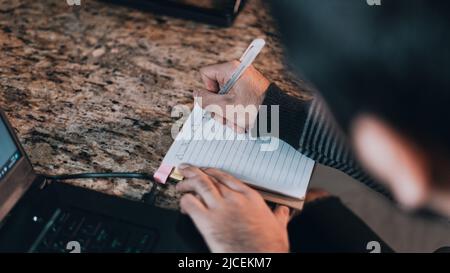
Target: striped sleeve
[{"x": 310, "y": 128}]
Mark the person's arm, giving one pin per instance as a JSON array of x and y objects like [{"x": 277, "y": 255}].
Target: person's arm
[
  {"x": 293, "y": 114},
  {"x": 309, "y": 127}
]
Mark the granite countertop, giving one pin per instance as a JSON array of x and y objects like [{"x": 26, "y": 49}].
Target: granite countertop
[{"x": 91, "y": 88}]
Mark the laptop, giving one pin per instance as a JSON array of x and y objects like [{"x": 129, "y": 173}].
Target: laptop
[
  {"x": 215, "y": 12},
  {"x": 38, "y": 216}
]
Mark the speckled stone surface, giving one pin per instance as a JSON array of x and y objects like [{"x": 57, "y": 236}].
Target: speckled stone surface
[{"x": 91, "y": 88}]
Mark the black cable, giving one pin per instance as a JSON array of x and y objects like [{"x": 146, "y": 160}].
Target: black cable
[
  {"x": 148, "y": 197},
  {"x": 142, "y": 176}
]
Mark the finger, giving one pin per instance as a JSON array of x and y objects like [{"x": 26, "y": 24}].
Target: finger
[
  {"x": 189, "y": 171},
  {"x": 204, "y": 187},
  {"x": 224, "y": 190},
  {"x": 192, "y": 206},
  {"x": 211, "y": 100},
  {"x": 316, "y": 194},
  {"x": 210, "y": 82},
  {"x": 197, "y": 181},
  {"x": 196, "y": 196},
  {"x": 228, "y": 180},
  {"x": 214, "y": 76},
  {"x": 282, "y": 213},
  {"x": 217, "y": 105},
  {"x": 231, "y": 124},
  {"x": 220, "y": 119}
]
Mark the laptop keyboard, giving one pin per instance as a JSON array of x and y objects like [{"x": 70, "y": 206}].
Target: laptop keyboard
[{"x": 89, "y": 233}]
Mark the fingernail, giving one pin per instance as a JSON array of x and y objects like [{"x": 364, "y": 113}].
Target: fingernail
[{"x": 183, "y": 166}]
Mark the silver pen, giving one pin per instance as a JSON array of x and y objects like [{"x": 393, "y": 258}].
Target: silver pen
[{"x": 245, "y": 61}]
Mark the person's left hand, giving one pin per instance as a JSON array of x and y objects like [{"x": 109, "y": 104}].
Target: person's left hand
[{"x": 231, "y": 216}]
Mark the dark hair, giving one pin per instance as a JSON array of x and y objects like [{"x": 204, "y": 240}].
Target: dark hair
[{"x": 391, "y": 60}]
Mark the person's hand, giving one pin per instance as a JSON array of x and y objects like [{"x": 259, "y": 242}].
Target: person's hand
[
  {"x": 248, "y": 92},
  {"x": 314, "y": 194},
  {"x": 231, "y": 216}
]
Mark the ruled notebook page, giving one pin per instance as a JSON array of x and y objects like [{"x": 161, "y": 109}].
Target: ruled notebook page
[{"x": 204, "y": 142}]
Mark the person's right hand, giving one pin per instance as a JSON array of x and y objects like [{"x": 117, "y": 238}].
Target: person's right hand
[{"x": 248, "y": 92}]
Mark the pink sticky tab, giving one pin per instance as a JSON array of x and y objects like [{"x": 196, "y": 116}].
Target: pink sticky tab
[{"x": 162, "y": 174}]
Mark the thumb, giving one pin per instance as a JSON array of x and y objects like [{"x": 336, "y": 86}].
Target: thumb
[{"x": 282, "y": 214}]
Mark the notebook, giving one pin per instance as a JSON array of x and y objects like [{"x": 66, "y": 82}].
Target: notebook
[{"x": 271, "y": 166}]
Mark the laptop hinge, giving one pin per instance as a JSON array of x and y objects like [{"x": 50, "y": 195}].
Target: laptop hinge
[{"x": 43, "y": 182}]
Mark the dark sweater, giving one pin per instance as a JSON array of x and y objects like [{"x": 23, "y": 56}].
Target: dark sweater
[{"x": 309, "y": 127}]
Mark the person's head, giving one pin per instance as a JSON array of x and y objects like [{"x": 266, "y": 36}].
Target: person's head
[{"x": 384, "y": 71}]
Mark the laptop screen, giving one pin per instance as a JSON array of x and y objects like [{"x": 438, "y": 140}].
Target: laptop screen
[
  {"x": 9, "y": 152},
  {"x": 211, "y": 4}
]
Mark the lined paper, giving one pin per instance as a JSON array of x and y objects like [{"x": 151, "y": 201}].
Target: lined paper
[{"x": 283, "y": 170}]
